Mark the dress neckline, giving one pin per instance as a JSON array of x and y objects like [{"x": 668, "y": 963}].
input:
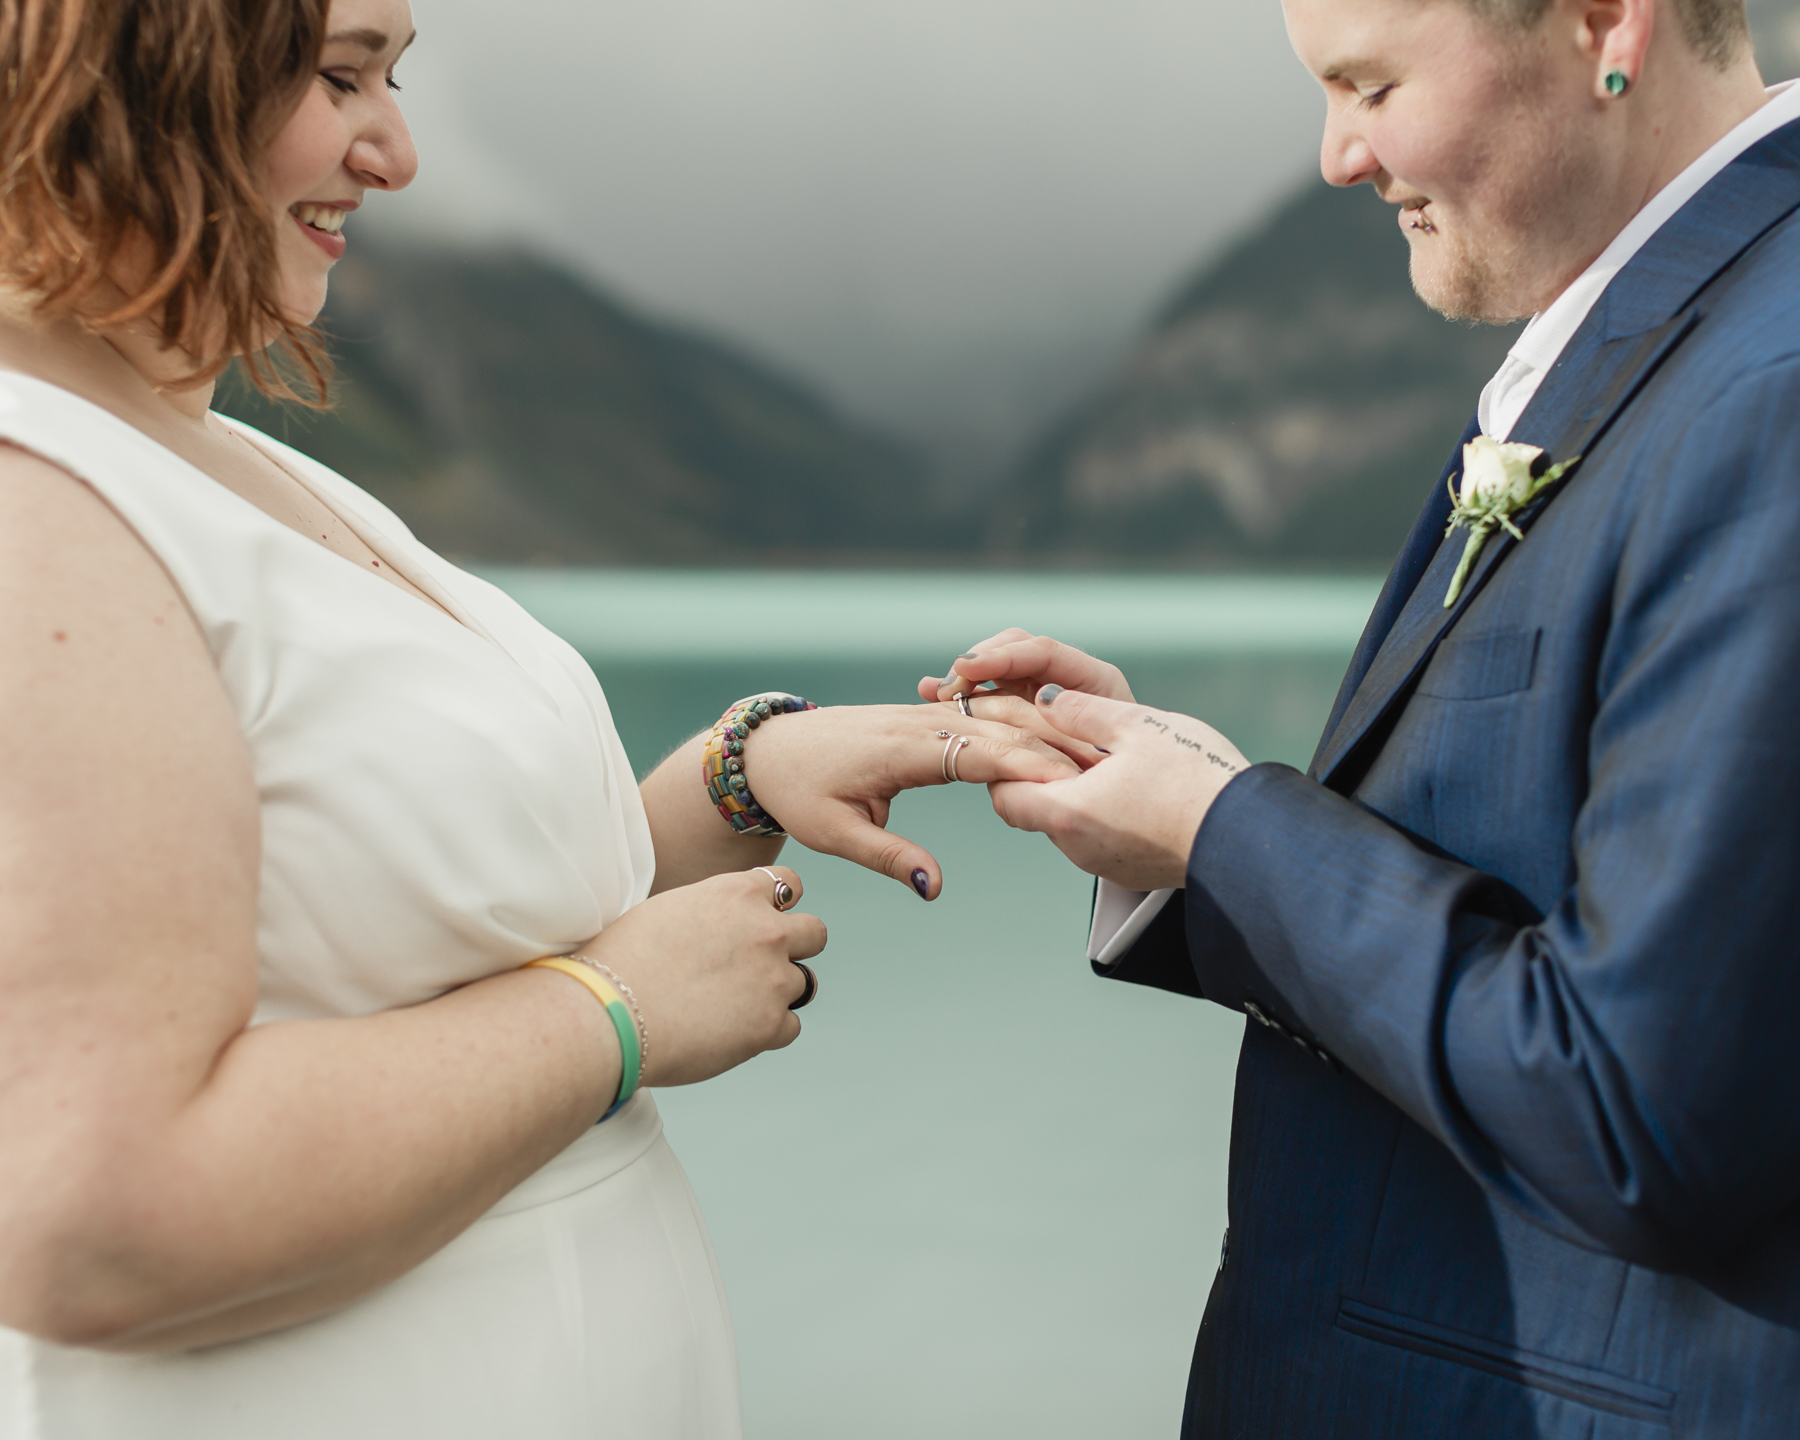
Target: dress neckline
[
  {"x": 407, "y": 565},
  {"x": 409, "y": 562}
]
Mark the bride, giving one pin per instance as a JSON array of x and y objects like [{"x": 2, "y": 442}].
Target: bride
[{"x": 331, "y": 919}]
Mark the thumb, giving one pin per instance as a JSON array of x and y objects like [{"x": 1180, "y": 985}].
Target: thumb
[
  {"x": 1081, "y": 716},
  {"x": 853, "y": 836}
]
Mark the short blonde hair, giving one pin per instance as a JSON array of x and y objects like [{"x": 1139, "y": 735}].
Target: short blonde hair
[
  {"x": 150, "y": 118},
  {"x": 1716, "y": 29}
]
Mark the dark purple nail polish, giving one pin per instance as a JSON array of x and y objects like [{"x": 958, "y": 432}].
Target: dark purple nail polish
[
  {"x": 1103, "y": 752},
  {"x": 1048, "y": 693},
  {"x": 922, "y": 883}
]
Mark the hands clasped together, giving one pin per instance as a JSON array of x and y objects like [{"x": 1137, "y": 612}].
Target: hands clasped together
[
  {"x": 1147, "y": 776},
  {"x": 1065, "y": 750}
]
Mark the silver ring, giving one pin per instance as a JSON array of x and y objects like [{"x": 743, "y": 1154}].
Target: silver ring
[
  {"x": 953, "y": 749},
  {"x": 784, "y": 892},
  {"x": 962, "y": 705}
]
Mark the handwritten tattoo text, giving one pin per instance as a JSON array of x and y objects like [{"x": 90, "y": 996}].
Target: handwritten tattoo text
[{"x": 1198, "y": 747}]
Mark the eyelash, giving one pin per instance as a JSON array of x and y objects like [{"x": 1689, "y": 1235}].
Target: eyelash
[
  {"x": 1374, "y": 98},
  {"x": 348, "y": 87}
]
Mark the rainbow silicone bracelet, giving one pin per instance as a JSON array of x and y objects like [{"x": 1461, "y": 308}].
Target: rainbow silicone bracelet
[
  {"x": 631, "y": 1068},
  {"x": 722, "y": 765}
]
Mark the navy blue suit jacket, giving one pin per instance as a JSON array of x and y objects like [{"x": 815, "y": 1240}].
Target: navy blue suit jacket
[{"x": 1516, "y": 1148}]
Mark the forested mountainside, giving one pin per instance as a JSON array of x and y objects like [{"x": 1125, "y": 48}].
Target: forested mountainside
[
  {"x": 510, "y": 412},
  {"x": 1288, "y": 406},
  {"x": 1292, "y": 403}
]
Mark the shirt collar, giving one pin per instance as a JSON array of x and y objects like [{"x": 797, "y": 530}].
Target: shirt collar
[{"x": 1544, "y": 339}]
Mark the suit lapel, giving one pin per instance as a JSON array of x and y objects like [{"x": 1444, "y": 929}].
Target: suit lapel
[
  {"x": 1650, "y": 307},
  {"x": 1578, "y": 416},
  {"x": 1415, "y": 555}
]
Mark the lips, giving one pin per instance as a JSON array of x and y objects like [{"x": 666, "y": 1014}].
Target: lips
[{"x": 1413, "y": 216}]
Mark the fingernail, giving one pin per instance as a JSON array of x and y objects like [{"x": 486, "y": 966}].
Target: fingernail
[
  {"x": 922, "y": 883},
  {"x": 1047, "y": 694},
  {"x": 972, "y": 655},
  {"x": 1103, "y": 752}
]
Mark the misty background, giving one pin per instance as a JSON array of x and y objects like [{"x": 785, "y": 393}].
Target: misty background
[
  {"x": 1030, "y": 282},
  {"x": 950, "y": 214}
]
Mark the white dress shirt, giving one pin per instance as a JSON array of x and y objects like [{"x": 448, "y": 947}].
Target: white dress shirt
[
  {"x": 1505, "y": 397},
  {"x": 1121, "y": 916}
]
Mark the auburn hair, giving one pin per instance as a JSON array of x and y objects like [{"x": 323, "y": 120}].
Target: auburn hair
[{"x": 134, "y": 121}]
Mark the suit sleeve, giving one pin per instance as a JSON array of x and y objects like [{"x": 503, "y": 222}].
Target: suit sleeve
[{"x": 1623, "y": 1068}]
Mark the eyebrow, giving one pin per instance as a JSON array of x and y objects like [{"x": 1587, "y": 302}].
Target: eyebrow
[
  {"x": 373, "y": 40},
  {"x": 1350, "y": 67}
]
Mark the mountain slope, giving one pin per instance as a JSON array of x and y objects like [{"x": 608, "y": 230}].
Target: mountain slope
[
  {"x": 510, "y": 412},
  {"x": 1291, "y": 403}
]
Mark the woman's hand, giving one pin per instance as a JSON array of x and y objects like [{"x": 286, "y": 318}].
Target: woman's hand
[
  {"x": 1018, "y": 662},
  {"x": 829, "y": 776},
  {"x": 1132, "y": 818},
  {"x": 711, "y": 967}
]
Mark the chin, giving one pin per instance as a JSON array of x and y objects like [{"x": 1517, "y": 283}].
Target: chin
[
  {"x": 303, "y": 302},
  {"x": 1461, "y": 286}
]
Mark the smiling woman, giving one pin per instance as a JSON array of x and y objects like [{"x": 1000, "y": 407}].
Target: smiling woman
[
  {"x": 163, "y": 186},
  {"x": 316, "y": 852}
]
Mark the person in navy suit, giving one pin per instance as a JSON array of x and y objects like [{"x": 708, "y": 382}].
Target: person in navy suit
[{"x": 1516, "y": 1145}]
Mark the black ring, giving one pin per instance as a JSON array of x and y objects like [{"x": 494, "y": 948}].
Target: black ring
[{"x": 812, "y": 986}]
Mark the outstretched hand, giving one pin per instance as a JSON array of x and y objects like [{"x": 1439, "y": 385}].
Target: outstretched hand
[
  {"x": 830, "y": 776},
  {"x": 1132, "y": 817},
  {"x": 1018, "y": 662}
]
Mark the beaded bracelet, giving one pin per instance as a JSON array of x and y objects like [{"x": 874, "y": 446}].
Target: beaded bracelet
[
  {"x": 643, "y": 1030},
  {"x": 722, "y": 766},
  {"x": 631, "y": 1053}
]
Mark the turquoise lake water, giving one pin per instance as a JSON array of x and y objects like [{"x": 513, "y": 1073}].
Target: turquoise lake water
[{"x": 983, "y": 1195}]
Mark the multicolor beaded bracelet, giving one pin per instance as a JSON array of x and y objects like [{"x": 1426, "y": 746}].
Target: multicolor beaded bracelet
[
  {"x": 722, "y": 766},
  {"x": 631, "y": 1052}
]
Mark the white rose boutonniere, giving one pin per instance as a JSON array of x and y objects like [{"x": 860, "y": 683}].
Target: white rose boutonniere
[{"x": 1497, "y": 483}]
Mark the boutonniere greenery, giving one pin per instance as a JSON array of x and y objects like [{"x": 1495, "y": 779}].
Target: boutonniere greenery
[{"x": 1497, "y": 483}]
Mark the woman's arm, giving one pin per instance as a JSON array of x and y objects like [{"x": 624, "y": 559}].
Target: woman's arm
[
  {"x": 169, "y": 1177},
  {"x": 830, "y": 777},
  {"x": 693, "y": 842}
]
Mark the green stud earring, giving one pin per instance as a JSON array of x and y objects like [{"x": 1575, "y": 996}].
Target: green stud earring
[{"x": 1617, "y": 83}]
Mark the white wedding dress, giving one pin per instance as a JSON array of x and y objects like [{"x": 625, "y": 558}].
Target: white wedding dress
[{"x": 440, "y": 802}]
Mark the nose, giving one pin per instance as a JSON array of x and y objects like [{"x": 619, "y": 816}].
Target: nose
[
  {"x": 383, "y": 156},
  {"x": 1345, "y": 156}
]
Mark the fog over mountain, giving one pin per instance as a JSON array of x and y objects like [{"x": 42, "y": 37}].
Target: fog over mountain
[
  {"x": 713, "y": 282},
  {"x": 950, "y": 214}
]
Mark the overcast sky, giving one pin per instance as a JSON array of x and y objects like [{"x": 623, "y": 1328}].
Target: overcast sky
[{"x": 940, "y": 210}]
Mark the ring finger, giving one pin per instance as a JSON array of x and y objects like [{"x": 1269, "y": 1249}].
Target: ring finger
[{"x": 785, "y": 887}]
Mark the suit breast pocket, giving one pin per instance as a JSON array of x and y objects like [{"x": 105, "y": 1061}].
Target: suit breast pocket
[{"x": 1482, "y": 667}]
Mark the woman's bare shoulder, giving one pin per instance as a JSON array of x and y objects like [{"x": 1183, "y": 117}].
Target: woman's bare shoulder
[
  {"x": 52, "y": 523},
  {"x": 97, "y": 634}
]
